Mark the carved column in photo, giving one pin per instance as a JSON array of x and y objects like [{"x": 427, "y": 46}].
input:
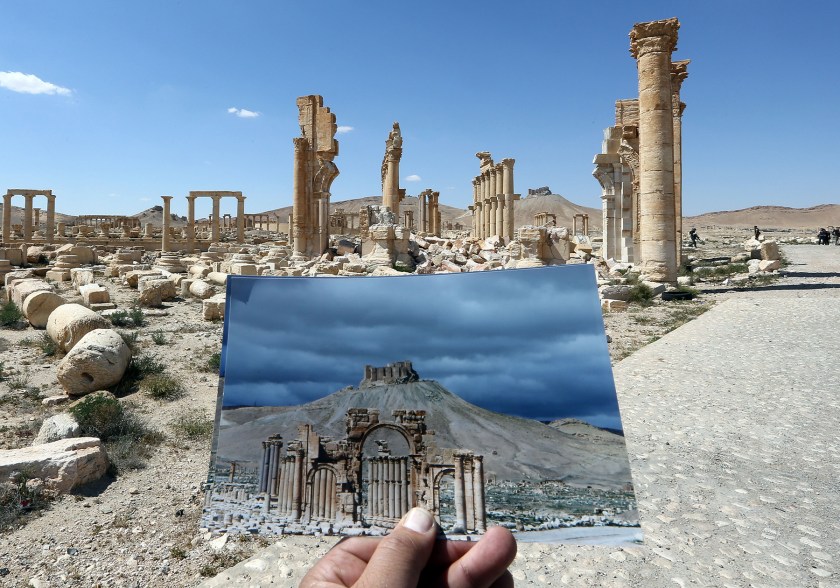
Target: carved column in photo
[
  {"x": 297, "y": 491},
  {"x": 679, "y": 72},
  {"x": 478, "y": 494},
  {"x": 652, "y": 43},
  {"x": 240, "y": 218},
  {"x": 27, "y": 218},
  {"x": 460, "y": 499},
  {"x": 7, "y": 217},
  {"x": 391, "y": 170},
  {"x": 166, "y": 237},
  {"x": 50, "y": 216}
]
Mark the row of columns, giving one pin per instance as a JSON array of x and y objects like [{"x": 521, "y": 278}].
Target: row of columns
[
  {"x": 428, "y": 203},
  {"x": 281, "y": 477},
  {"x": 322, "y": 503},
  {"x": 28, "y": 195},
  {"x": 470, "y": 512},
  {"x": 389, "y": 488},
  {"x": 493, "y": 200},
  {"x": 214, "y": 217}
]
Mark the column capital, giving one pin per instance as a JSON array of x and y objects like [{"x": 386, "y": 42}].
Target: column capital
[
  {"x": 655, "y": 36},
  {"x": 166, "y": 198},
  {"x": 679, "y": 72},
  {"x": 300, "y": 143},
  {"x": 508, "y": 162}
]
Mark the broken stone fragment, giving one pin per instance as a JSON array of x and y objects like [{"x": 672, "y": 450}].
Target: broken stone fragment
[
  {"x": 62, "y": 465},
  {"x": 96, "y": 362},
  {"x": 68, "y": 323}
]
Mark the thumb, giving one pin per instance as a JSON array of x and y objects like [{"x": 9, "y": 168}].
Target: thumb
[{"x": 401, "y": 556}]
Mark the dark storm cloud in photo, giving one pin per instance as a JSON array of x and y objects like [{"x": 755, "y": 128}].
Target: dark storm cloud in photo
[{"x": 525, "y": 342}]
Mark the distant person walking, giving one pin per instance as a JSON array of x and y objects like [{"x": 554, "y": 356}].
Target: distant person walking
[
  {"x": 836, "y": 234},
  {"x": 823, "y": 236},
  {"x": 692, "y": 234},
  {"x": 757, "y": 232}
]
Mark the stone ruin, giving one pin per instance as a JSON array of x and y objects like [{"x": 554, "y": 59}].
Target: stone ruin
[
  {"x": 493, "y": 199},
  {"x": 640, "y": 164},
  {"x": 391, "y": 193},
  {"x": 316, "y": 484},
  {"x": 399, "y": 372}
]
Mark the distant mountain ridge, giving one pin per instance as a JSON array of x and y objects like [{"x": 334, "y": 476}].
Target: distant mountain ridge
[
  {"x": 514, "y": 448},
  {"x": 769, "y": 217}
]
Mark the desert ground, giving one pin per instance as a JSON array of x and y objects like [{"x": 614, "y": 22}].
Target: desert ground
[{"x": 140, "y": 528}]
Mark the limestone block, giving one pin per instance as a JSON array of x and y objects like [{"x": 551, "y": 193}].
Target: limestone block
[
  {"x": 132, "y": 278},
  {"x": 96, "y": 362},
  {"x": 166, "y": 286},
  {"x": 84, "y": 254},
  {"x": 62, "y": 465},
  {"x": 58, "y": 275},
  {"x": 34, "y": 253},
  {"x": 68, "y": 323},
  {"x": 100, "y": 306},
  {"x": 199, "y": 270},
  {"x": 769, "y": 265},
  {"x": 753, "y": 266},
  {"x": 201, "y": 289},
  {"x": 15, "y": 256},
  {"x": 684, "y": 281},
  {"x": 656, "y": 287},
  {"x": 770, "y": 250},
  {"x": 94, "y": 294},
  {"x": 214, "y": 308},
  {"x": 613, "y": 305},
  {"x": 752, "y": 245},
  {"x": 23, "y": 288},
  {"x": 150, "y": 297},
  {"x": 81, "y": 276},
  {"x": 184, "y": 287},
  {"x": 39, "y": 305},
  {"x": 619, "y": 292},
  {"x": 243, "y": 269},
  {"x": 449, "y": 266},
  {"x": 16, "y": 275},
  {"x": 218, "y": 278},
  {"x": 60, "y": 426}
]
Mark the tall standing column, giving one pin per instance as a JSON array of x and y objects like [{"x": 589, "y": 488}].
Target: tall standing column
[
  {"x": 214, "y": 223},
  {"x": 460, "y": 502},
  {"x": 507, "y": 190},
  {"x": 27, "y": 218},
  {"x": 494, "y": 205},
  {"x": 391, "y": 170},
  {"x": 679, "y": 72},
  {"x": 436, "y": 213},
  {"x": 421, "y": 213},
  {"x": 652, "y": 43},
  {"x": 299, "y": 211},
  {"x": 298, "y": 474},
  {"x": 7, "y": 217},
  {"x": 478, "y": 494},
  {"x": 191, "y": 223},
  {"x": 240, "y": 219},
  {"x": 167, "y": 219},
  {"x": 323, "y": 222},
  {"x": 50, "y": 216}
]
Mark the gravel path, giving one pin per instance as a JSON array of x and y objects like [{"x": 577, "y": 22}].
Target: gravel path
[{"x": 731, "y": 427}]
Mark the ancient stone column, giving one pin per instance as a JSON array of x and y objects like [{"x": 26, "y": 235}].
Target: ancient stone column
[
  {"x": 679, "y": 72},
  {"x": 240, "y": 219},
  {"x": 478, "y": 494},
  {"x": 298, "y": 482},
  {"x": 436, "y": 214},
  {"x": 494, "y": 204},
  {"x": 50, "y": 230},
  {"x": 500, "y": 216},
  {"x": 391, "y": 170},
  {"x": 421, "y": 209},
  {"x": 652, "y": 43},
  {"x": 167, "y": 219},
  {"x": 507, "y": 190},
  {"x": 27, "y": 218},
  {"x": 7, "y": 217},
  {"x": 460, "y": 502},
  {"x": 324, "y": 223},
  {"x": 191, "y": 223},
  {"x": 299, "y": 210},
  {"x": 215, "y": 222}
]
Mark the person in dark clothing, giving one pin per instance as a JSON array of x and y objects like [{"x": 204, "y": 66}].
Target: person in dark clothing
[
  {"x": 692, "y": 234},
  {"x": 836, "y": 234},
  {"x": 757, "y": 232},
  {"x": 823, "y": 236}
]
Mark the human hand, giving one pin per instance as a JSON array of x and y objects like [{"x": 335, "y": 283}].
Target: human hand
[{"x": 410, "y": 556}]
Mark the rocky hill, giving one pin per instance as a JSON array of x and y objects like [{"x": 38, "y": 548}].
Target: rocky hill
[
  {"x": 514, "y": 448},
  {"x": 772, "y": 217},
  {"x": 565, "y": 210}
]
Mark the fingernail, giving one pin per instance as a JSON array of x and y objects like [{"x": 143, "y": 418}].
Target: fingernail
[{"x": 418, "y": 520}]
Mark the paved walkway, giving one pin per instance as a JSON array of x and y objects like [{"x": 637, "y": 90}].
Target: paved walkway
[{"x": 732, "y": 428}]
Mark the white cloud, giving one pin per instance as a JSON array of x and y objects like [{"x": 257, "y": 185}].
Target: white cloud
[
  {"x": 243, "y": 113},
  {"x": 413, "y": 178},
  {"x": 343, "y": 129},
  {"x": 29, "y": 84}
]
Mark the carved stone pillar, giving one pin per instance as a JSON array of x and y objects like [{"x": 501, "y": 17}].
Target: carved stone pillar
[
  {"x": 460, "y": 502},
  {"x": 478, "y": 493},
  {"x": 214, "y": 223},
  {"x": 191, "y": 223},
  {"x": 50, "y": 217},
  {"x": 679, "y": 72},
  {"x": 298, "y": 482},
  {"x": 27, "y": 218},
  {"x": 652, "y": 43},
  {"x": 436, "y": 214},
  {"x": 240, "y": 219},
  {"x": 167, "y": 219},
  {"x": 7, "y": 217},
  {"x": 494, "y": 205},
  {"x": 299, "y": 210}
]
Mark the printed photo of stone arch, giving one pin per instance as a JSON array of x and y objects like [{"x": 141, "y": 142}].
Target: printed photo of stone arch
[{"x": 486, "y": 398}]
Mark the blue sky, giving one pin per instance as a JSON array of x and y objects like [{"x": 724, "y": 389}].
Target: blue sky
[
  {"x": 135, "y": 98},
  {"x": 526, "y": 342}
]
